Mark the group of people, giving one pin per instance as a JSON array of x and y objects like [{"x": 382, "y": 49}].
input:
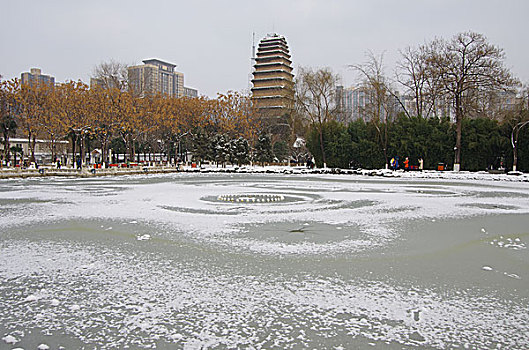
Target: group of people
[
  {"x": 78, "y": 163},
  {"x": 19, "y": 163},
  {"x": 394, "y": 163}
]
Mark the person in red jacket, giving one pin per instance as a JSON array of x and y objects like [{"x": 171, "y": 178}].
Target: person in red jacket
[{"x": 406, "y": 164}]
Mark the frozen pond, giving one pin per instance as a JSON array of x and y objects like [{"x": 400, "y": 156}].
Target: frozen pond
[{"x": 263, "y": 261}]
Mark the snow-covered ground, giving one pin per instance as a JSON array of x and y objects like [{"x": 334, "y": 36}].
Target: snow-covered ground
[{"x": 426, "y": 260}]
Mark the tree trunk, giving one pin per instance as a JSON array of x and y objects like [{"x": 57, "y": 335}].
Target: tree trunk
[
  {"x": 88, "y": 149},
  {"x": 6, "y": 147},
  {"x": 74, "y": 141},
  {"x": 53, "y": 148},
  {"x": 386, "y": 143},
  {"x": 104, "y": 151},
  {"x": 32, "y": 144},
  {"x": 132, "y": 148},
  {"x": 322, "y": 148},
  {"x": 81, "y": 148}
]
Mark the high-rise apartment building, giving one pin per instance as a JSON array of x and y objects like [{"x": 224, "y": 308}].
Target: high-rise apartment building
[
  {"x": 351, "y": 103},
  {"x": 359, "y": 102},
  {"x": 156, "y": 76},
  {"x": 35, "y": 76},
  {"x": 273, "y": 87}
]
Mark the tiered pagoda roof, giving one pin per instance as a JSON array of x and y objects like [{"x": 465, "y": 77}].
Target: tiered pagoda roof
[{"x": 272, "y": 77}]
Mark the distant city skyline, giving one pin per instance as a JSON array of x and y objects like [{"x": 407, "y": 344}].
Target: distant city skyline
[{"x": 211, "y": 41}]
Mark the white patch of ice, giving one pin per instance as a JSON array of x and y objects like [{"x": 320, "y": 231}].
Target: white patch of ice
[
  {"x": 487, "y": 268},
  {"x": 31, "y": 298},
  {"x": 43, "y": 347},
  {"x": 176, "y": 337},
  {"x": 145, "y": 237},
  {"x": 9, "y": 339},
  {"x": 512, "y": 275}
]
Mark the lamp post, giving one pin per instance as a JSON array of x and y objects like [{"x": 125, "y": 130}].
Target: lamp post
[
  {"x": 160, "y": 142},
  {"x": 514, "y": 142},
  {"x": 457, "y": 166},
  {"x": 179, "y": 147}
]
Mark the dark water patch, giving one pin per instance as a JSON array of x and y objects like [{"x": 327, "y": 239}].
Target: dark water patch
[
  {"x": 236, "y": 210},
  {"x": 432, "y": 192},
  {"x": 298, "y": 232},
  {"x": 498, "y": 194},
  {"x": 489, "y": 206}
]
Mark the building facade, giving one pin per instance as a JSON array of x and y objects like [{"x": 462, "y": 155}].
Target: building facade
[
  {"x": 190, "y": 92},
  {"x": 20, "y": 149},
  {"x": 156, "y": 76},
  {"x": 106, "y": 83},
  {"x": 358, "y": 102},
  {"x": 351, "y": 103},
  {"x": 273, "y": 86},
  {"x": 35, "y": 76}
]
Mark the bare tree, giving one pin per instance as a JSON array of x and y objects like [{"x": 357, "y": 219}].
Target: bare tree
[
  {"x": 415, "y": 74},
  {"x": 8, "y": 123},
  {"x": 315, "y": 99},
  {"x": 110, "y": 75},
  {"x": 468, "y": 67},
  {"x": 381, "y": 101}
]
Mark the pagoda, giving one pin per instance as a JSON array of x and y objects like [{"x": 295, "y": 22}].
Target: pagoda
[{"x": 273, "y": 81}]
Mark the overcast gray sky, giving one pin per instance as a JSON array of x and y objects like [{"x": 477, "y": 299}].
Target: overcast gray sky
[{"x": 211, "y": 41}]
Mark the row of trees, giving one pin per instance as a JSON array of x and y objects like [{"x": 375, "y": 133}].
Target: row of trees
[
  {"x": 486, "y": 143},
  {"x": 462, "y": 78},
  {"x": 98, "y": 117},
  {"x": 222, "y": 149}
]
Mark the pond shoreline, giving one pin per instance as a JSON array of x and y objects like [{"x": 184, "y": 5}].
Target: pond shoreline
[{"x": 286, "y": 170}]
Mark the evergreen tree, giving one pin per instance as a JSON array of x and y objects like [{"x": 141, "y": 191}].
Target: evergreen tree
[
  {"x": 365, "y": 150},
  {"x": 201, "y": 145},
  {"x": 241, "y": 151},
  {"x": 337, "y": 145},
  {"x": 426, "y": 138},
  {"x": 263, "y": 149},
  {"x": 221, "y": 149},
  {"x": 280, "y": 150},
  {"x": 483, "y": 144}
]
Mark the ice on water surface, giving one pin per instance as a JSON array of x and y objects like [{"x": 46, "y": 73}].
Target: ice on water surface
[{"x": 338, "y": 262}]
